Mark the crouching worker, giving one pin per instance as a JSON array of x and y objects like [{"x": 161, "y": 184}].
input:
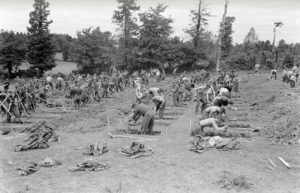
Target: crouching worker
[
  {"x": 214, "y": 111},
  {"x": 221, "y": 101},
  {"x": 217, "y": 123},
  {"x": 148, "y": 114},
  {"x": 160, "y": 105}
]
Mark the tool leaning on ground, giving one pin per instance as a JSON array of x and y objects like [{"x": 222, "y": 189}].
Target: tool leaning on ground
[
  {"x": 20, "y": 102},
  {"x": 4, "y": 107}
]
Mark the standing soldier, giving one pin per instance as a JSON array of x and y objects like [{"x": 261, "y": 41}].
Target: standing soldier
[
  {"x": 274, "y": 74},
  {"x": 296, "y": 72},
  {"x": 256, "y": 68},
  {"x": 175, "y": 93},
  {"x": 6, "y": 85},
  {"x": 36, "y": 83},
  {"x": 180, "y": 92},
  {"x": 201, "y": 98},
  {"x": 235, "y": 82},
  {"x": 49, "y": 80},
  {"x": 13, "y": 108},
  {"x": 59, "y": 83}
]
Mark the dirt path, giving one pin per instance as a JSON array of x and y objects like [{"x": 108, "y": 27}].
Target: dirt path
[{"x": 172, "y": 167}]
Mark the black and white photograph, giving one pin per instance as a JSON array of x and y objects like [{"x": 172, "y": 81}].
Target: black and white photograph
[{"x": 149, "y": 96}]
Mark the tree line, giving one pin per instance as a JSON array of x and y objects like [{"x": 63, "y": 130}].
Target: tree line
[{"x": 144, "y": 40}]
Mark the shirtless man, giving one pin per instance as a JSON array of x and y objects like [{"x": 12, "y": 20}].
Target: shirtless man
[
  {"x": 221, "y": 101},
  {"x": 209, "y": 122},
  {"x": 214, "y": 110}
]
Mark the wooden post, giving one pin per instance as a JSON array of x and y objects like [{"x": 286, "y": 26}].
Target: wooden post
[{"x": 219, "y": 42}]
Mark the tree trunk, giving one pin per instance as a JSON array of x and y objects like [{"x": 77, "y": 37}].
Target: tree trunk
[
  {"x": 9, "y": 70},
  {"x": 273, "y": 49},
  {"x": 198, "y": 26},
  {"x": 219, "y": 42}
]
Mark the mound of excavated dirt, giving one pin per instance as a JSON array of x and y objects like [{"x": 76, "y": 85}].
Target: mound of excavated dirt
[{"x": 274, "y": 106}]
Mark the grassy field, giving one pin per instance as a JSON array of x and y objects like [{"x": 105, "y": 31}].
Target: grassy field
[
  {"x": 64, "y": 67},
  {"x": 173, "y": 168},
  {"x": 61, "y": 66}
]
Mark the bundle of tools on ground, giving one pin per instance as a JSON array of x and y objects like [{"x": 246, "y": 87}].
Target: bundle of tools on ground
[{"x": 40, "y": 134}]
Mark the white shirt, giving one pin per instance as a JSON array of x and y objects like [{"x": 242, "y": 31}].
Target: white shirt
[
  {"x": 60, "y": 79},
  {"x": 49, "y": 79},
  {"x": 223, "y": 91}
]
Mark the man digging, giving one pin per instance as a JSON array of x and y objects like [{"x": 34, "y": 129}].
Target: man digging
[
  {"x": 216, "y": 123},
  {"x": 148, "y": 114}
]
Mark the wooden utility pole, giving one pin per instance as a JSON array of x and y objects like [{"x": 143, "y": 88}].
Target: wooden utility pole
[
  {"x": 219, "y": 42},
  {"x": 198, "y": 26},
  {"x": 276, "y": 25}
]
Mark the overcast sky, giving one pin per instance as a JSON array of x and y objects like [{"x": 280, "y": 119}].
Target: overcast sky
[{"x": 69, "y": 16}]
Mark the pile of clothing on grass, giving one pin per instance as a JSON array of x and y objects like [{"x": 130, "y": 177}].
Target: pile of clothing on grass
[
  {"x": 202, "y": 144},
  {"x": 90, "y": 166},
  {"x": 40, "y": 134},
  {"x": 33, "y": 167},
  {"x": 96, "y": 149},
  {"x": 137, "y": 150}
]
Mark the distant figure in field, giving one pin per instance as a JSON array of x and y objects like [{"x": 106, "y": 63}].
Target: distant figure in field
[
  {"x": 274, "y": 74},
  {"x": 257, "y": 68}
]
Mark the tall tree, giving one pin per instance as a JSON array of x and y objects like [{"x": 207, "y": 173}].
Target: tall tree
[
  {"x": 12, "y": 50},
  {"x": 124, "y": 18},
  {"x": 226, "y": 38},
  {"x": 199, "y": 22},
  {"x": 94, "y": 50},
  {"x": 219, "y": 41},
  {"x": 155, "y": 34},
  {"x": 278, "y": 24},
  {"x": 41, "y": 50},
  {"x": 251, "y": 37}
]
